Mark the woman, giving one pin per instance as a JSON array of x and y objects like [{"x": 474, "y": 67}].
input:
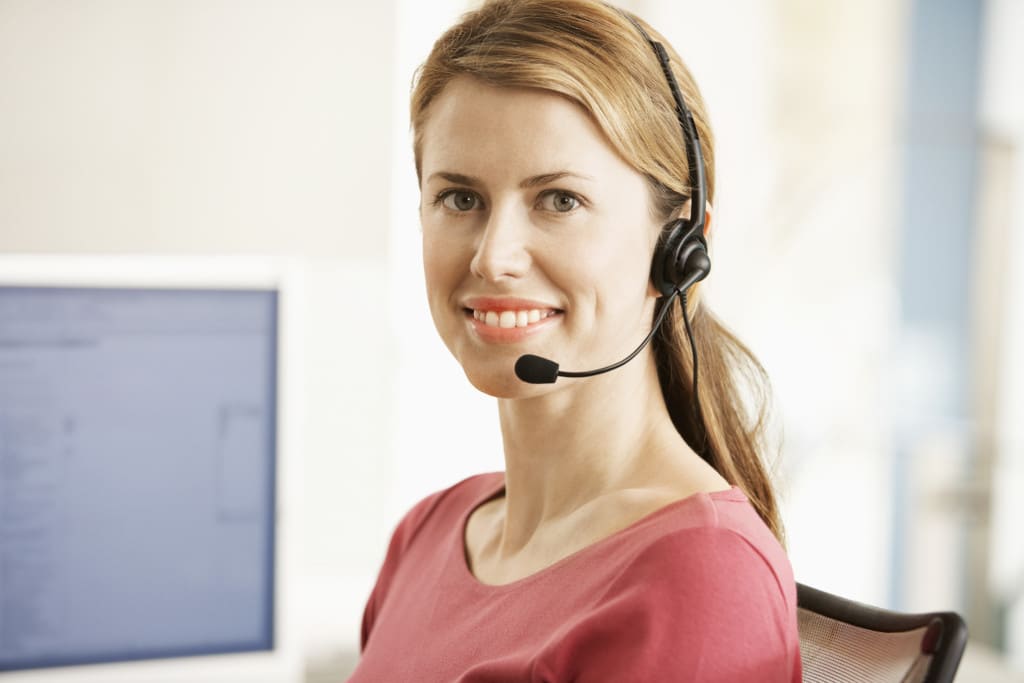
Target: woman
[{"x": 634, "y": 535}]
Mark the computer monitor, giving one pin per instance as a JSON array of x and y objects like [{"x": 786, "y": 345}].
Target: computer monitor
[{"x": 141, "y": 471}]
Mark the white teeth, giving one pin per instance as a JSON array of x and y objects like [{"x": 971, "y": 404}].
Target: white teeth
[{"x": 510, "y": 319}]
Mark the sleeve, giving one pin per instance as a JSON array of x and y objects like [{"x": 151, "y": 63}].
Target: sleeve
[
  {"x": 701, "y": 604},
  {"x": 402, "y": 536}
]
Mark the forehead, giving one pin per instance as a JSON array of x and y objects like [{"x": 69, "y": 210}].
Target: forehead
[{"x": 471, "y": 127}]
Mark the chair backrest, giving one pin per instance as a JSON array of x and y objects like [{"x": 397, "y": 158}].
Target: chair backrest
[{"x": 843, "y": 640}]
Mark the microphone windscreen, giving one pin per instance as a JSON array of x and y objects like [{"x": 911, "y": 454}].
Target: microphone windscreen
[{"x": 536, "y": 370}]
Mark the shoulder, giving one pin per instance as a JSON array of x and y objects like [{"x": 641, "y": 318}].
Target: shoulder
[
  {"x": 431, "y": 515},
  {"x": 716, "y": 534},
  {"x": 718, "y": 555},
  {"x": 700, "y": 599},
  {"x": 713, "y": 532},
  {"x": 443, "y": 507},
  {"x": 708, "y": 570}
]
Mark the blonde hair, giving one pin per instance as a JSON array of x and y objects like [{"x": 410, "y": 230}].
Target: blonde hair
[{"x": 590, "y": 52}]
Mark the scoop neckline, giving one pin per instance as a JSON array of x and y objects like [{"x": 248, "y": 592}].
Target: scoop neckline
[{"x": 733, "y": 493}]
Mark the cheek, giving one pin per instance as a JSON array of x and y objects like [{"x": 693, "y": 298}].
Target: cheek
[
  {"x": 620, "y": 264},
  {"x": 433, "y": 266},
  {"x": 442, "y": 268},
  {"x": 620, "y": 276}
]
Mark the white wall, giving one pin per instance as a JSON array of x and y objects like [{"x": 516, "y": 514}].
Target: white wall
[{"x": 195, "y": 125}]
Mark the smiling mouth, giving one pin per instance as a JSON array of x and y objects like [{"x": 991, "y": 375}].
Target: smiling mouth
[{"x": 510, "y": 319}]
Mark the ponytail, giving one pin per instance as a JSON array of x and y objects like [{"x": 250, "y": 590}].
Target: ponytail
[{"x": 733, "y": 435}]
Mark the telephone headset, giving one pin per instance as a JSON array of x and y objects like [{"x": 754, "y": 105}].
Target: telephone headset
[{"x": 680, "y": 258}]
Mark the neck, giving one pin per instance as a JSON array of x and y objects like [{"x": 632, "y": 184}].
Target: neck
[{"x": 592, "y": 438}]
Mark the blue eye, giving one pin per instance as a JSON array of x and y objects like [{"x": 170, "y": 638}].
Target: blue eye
[
  {"x": 559, "y": 201},
  {"x": 459, "y": 200}
]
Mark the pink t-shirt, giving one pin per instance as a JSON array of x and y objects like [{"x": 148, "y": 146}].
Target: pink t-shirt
[{"x": 699, "y": 590}]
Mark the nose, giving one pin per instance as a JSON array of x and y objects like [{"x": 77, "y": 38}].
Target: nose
[{"x": 501, "y": 250}]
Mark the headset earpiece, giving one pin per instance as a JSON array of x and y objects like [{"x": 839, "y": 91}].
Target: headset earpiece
[{"x": 681, "y": 256}]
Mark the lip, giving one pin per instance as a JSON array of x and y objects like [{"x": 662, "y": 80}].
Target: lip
[{"x": 490, "y": 303}]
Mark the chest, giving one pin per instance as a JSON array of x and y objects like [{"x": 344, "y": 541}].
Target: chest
[
  {"x": 484, "y": 527},
  {"x": 434, "y": 625}
]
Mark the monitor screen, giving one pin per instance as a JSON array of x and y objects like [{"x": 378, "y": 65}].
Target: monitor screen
[{"x": 137, "y": 473}]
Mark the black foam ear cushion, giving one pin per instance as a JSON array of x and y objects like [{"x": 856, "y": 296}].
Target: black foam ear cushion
[
  {"x": 681, "y": 253},
  {"x": 663, "y": 263}
]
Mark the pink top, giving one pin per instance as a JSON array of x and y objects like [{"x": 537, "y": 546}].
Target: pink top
[{"x": 699, "y": 590}]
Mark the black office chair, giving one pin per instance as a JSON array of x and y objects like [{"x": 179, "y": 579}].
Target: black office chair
[{"x": 843, "y": 640}]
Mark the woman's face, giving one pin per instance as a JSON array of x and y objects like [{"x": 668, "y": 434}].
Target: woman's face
[{"x": 537, "y": 236}]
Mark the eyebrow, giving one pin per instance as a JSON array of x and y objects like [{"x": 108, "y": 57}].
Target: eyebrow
[
  {"x": 547, "y": 178},
  {"x": 532, "y": 181}
]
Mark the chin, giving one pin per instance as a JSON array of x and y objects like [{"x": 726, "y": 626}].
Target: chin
[
  {"x": 503, "y": 385},
  {"x": 492, "y": 370}
]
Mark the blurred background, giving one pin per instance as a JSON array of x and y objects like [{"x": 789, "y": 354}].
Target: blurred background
[{"x": 868, "y": 246}]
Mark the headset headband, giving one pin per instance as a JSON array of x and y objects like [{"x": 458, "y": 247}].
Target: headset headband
[{"x": 691, "y": 140}]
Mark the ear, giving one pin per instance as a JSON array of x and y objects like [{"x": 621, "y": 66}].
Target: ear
[{"x": 684, "y": 210}]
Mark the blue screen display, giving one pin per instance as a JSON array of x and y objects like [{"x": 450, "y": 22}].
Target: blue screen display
[{"x": 137, "y": 473}]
